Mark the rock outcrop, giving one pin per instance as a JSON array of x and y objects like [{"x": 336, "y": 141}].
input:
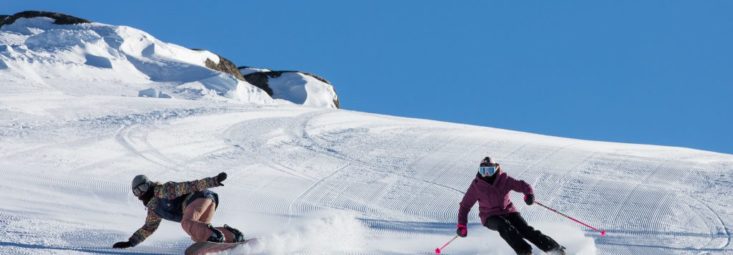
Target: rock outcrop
[{"x": 59, "y": 18}]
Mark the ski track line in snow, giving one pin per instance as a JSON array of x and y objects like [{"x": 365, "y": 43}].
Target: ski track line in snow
[
  {"x": 63, "y": 144},
  {"x": 629, "y": 194},
  {"x": 254, "y": 145},
  {"x": 446, "y": 212},
  {"x": 410, "y": 165},
  {"x": 310, "y": 138},
  {"x": 124, "y": 139},
  {"x": 409, "y": 208},
  {"x": 544, "y": 158},
  {"x": 600, "y": 179},
  {"x": 70, "y": 226},
  {"x": 553, "y": 184},
  {"x": 309, "y": 189},
  {"x": 720, "y": 221},
  {"x": 132, "y": 122},
  {"x": 443, "y": 165},
  {"x": 320, "y": 148},
  {"x": 646, "y": 201}
]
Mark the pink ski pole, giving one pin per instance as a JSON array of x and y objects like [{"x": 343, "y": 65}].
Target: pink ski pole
[
  {"x": 603, "y": 232},
  {"x": 437, "y": 250}
]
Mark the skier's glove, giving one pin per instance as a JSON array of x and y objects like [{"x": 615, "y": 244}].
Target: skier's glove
[
  {"x": 462, "y": 231},
  {"x": 529, "y": 199},
  {"x": 221, "y": 177},
  {"x": 122, "y": 245}
]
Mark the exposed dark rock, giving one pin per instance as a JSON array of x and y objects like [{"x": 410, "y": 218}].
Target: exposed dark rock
[
  {"x": 336, "y": 101},
  {"x": 225, "y": 66},
  {"x": 318, "y": 78},
  {"x": 259, "y": 80},
  {"x": 59, "y": 18},
  {"x": 278, "y": 73}
]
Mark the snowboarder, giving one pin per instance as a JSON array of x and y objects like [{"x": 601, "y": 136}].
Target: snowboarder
[
  {"x": 491, "y": 189},
  {"x": 190, "y": 203}
]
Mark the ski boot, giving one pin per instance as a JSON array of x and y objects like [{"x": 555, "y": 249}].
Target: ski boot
[
  {"x": 216, "y": 235},
  {"x": 238, "y": 236},
  {"x": 560, "y": 250}
]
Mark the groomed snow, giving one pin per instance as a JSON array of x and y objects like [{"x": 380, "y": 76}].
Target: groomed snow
[{"x": 308, "y": 180}]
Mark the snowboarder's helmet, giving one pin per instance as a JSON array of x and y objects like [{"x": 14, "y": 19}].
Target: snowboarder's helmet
[
  {"x": 488, "y": 161},
  {"x": 140, "y": 185},
  {"x": 488, "y": 167}
]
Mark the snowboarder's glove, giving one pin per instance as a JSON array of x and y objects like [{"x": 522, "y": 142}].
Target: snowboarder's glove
[
  {"x": 221, "y": 177},
  {"x": 529, "y": 199},
  {"x": 122, "y": 245},
  {"x": 462, "y": 231}
]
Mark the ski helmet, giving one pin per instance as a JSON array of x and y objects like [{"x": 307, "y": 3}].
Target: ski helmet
[
  {"x": 488, "y": 167},
  {"x": 488, "y": 161},
  {"x": 140, "y": 185}
]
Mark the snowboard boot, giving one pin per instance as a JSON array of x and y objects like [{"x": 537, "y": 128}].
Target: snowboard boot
[
  {"x": 238, "y": 236},
  {"x": 216, "y": 235}
]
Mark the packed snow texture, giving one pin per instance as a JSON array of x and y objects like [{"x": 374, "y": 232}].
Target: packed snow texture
[{"x": 303, "y": 180}]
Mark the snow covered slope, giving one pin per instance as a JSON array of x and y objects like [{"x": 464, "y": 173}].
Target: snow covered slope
[
  {"x": 306, "y": 180},
  {"x": 297, "y": 87},
  {"x": 95, "y": 58}
]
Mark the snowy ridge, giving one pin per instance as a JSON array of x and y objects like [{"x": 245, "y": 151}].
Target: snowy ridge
[
  {"x": 100, "y": 59},
  {"x": 303, "y": 180}
]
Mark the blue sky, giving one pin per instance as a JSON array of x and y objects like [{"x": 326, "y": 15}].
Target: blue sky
[{"x": 653, "y": 72}]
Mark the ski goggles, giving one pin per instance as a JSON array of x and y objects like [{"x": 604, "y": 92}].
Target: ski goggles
[
  {"x": 140, "y": 189},
  {"x": 488, "y": 170}
]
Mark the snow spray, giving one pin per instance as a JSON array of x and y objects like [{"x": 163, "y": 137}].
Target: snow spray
[
  {"x": 437, "y": 250},
  {"x": 319, "y": 232},
  {"x": 603, "y": 232}
]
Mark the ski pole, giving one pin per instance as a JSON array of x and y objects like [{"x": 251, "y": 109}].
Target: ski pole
[
  {"x": 437, "y": 250},
  {"x": 603, "y": 232}
]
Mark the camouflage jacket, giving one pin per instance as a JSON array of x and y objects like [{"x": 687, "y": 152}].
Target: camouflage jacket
[{"x": 166, "y": 192}]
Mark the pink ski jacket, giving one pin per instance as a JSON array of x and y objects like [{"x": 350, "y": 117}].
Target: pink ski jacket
[{"x": 493, "y": 199}]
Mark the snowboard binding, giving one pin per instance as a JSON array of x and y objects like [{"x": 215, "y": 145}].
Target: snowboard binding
[
  {"x": 238, "y": 236},
  {"x": 216, "y": 235}
]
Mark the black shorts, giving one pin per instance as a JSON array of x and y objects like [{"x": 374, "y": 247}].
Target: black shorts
[{"x": 208, "y": 194}]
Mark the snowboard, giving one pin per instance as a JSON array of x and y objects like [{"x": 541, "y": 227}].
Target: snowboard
[{"x": 203, "y": 248}]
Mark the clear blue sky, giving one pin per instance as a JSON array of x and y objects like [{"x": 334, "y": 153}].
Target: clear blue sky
[{"x": 655, "y": 72}]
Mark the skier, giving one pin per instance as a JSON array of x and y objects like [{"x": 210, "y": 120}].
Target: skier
[
  {"x": 491, "y": 189},
  {"x": 190, "y": 203}
]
